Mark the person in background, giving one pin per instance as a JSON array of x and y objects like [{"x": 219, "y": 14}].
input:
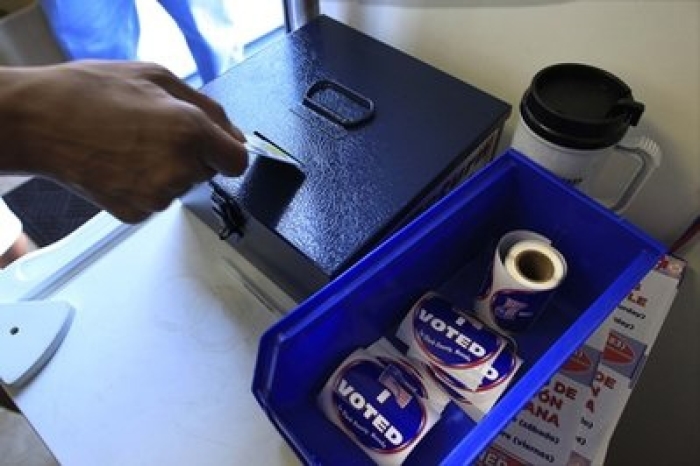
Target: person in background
[
  {"x": 110, "y": 29},
  {"x": 129, "y": 136}
]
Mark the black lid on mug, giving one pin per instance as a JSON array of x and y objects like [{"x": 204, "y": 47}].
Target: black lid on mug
[{"x": 579, "y": 106}]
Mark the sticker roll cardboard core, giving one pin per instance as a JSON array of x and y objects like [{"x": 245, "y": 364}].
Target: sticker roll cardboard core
[{"x": 535, "y": 266}]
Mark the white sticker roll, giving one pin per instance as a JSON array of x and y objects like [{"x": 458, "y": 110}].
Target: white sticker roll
[
  {"x": 371, "y": 403},
  {"x": 525, "y": 271}
]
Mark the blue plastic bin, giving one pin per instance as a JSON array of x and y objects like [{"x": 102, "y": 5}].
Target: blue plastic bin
[{"x": 448, "y": 249}]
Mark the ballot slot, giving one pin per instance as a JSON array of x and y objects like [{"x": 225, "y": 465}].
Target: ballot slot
[
  {"x": 266, "y": 149},
  {"x": 269, "y": 186}
]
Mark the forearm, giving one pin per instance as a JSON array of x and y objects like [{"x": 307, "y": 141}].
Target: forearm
[
  {"x": 49, "y": 122},
  {"x": 129, "y": 136},
  {"x": 15, "y": 94}
]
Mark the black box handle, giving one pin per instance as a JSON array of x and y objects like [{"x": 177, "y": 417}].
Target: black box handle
[{"x": 339, "y": 103}]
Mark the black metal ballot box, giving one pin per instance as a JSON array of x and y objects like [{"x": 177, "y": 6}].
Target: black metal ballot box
[{"x": 378, "y": 136}]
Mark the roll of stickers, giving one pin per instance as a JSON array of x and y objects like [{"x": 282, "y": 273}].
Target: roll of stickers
[
  {"x": 415, "y": 375},
  {"x": 449, "y": 340},
  {"x": 476, "y": 403},
  {"x": 377, "y": 408},
  {"x": 526, "y": 270}
]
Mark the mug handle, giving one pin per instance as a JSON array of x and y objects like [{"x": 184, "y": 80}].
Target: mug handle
[{"x": 648, "y": 155}]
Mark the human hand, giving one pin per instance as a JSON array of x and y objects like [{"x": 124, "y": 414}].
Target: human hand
[{"x": 129, "y": 136}]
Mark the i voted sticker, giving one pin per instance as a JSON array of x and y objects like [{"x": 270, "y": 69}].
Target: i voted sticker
[
  {"x": 413, "y": 373},
  {"x": 502, "y": 369},
  {"x": 383, "y": 415},
  {"x": 376, "y": 407},
  {"x": 450, "y": 340}
]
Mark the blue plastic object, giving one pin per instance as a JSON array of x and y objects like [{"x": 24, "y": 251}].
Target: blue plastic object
[{"x": 448, "y": 249}]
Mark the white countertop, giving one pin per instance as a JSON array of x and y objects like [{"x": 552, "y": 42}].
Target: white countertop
[{"x": 157, "y": 366}]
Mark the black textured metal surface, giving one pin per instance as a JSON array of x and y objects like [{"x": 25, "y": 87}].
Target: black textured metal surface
[{"x": 358, "y": 182}]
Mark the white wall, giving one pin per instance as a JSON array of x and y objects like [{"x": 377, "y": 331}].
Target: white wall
[
  {"x": 654, "y": 46},
  {"x": 498, "y": 45}
]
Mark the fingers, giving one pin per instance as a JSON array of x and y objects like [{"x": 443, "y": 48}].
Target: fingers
[
  {"x": 154, "y": 192},
  {"x": 181, "y": 90},
  {"x": 185, "y": 138},
  {"x": 139, "y": 208},
  {"x": 129, "y": 215},
  {"x": 121, "y": 209},
  {"x": 224, "y": 151}
]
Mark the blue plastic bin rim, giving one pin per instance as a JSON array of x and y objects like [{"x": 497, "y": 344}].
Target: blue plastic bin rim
[{"x": 292, "y": 325}]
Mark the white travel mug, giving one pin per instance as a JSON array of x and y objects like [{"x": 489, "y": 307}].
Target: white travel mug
[{"x": 573, "y": 117}]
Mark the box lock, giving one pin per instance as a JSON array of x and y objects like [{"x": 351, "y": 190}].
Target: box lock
[{"x": 229, "y": 213}]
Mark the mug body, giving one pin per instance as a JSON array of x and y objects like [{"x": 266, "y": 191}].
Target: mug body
[
  {"x": 572, "y": 165},
  {"x": 572, "y": 116}
]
